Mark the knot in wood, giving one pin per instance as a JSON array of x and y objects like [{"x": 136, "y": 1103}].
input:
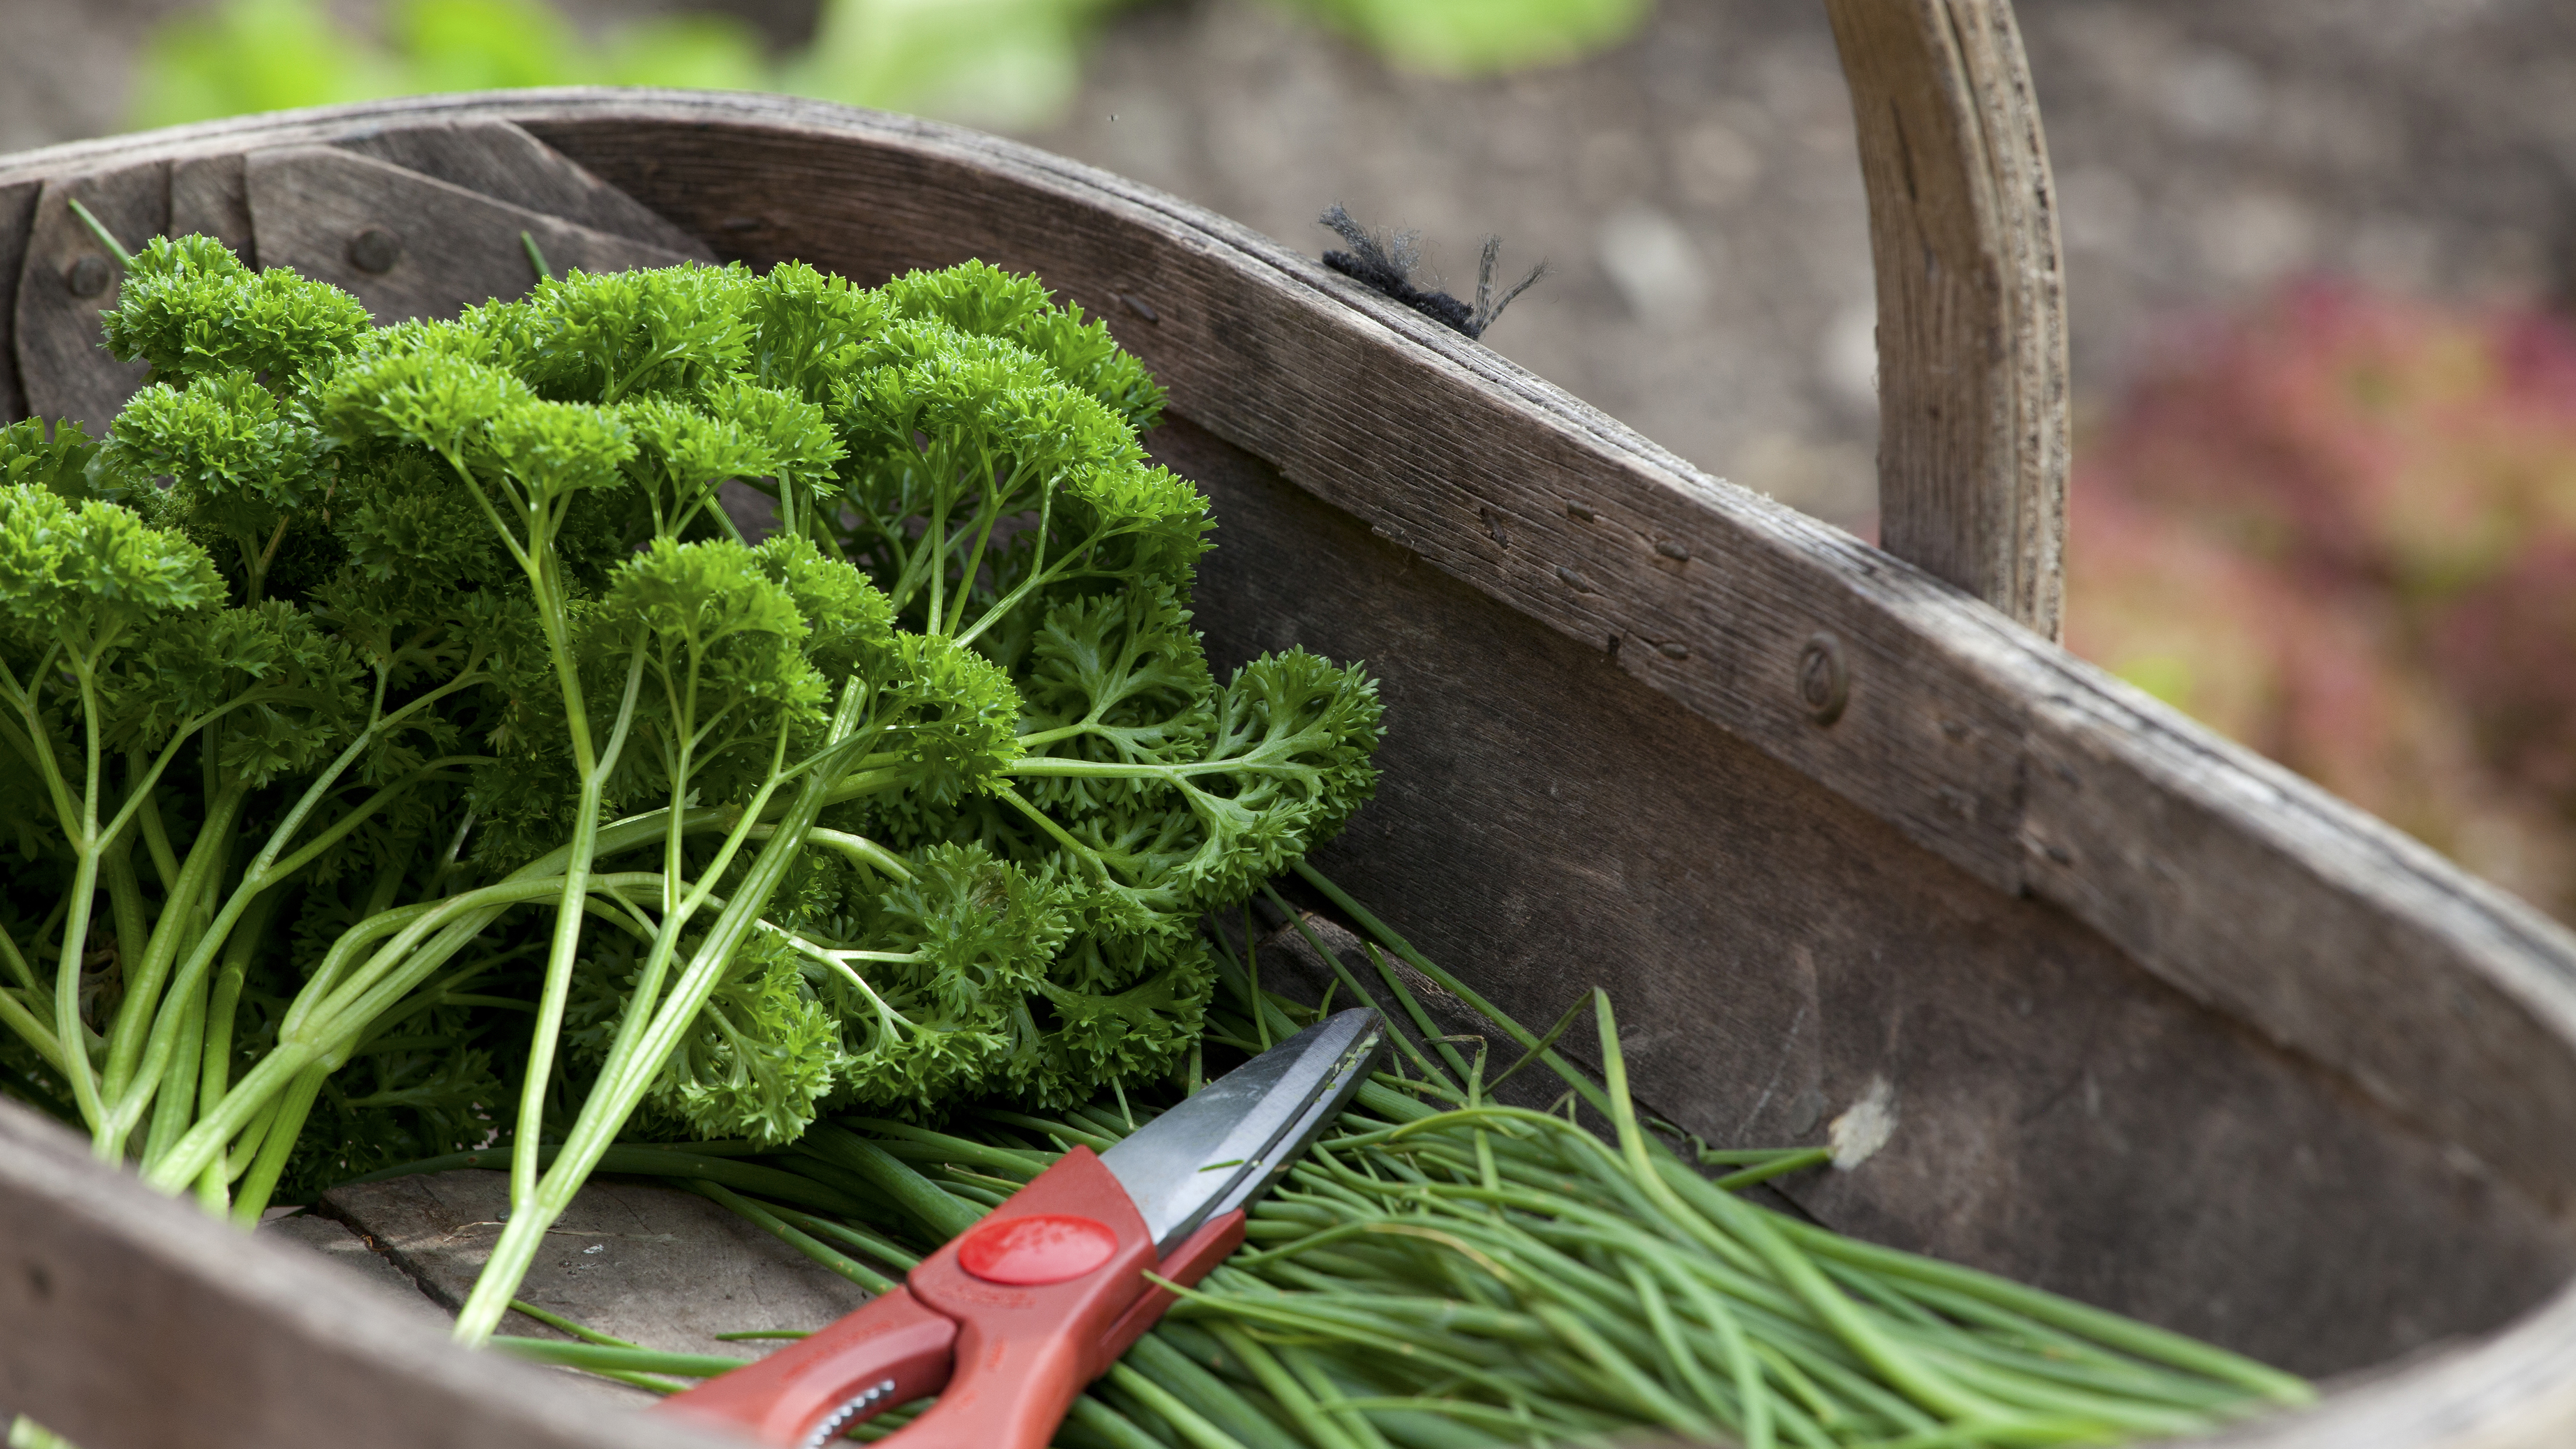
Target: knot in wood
[
  {"x": 88, "y": 277},
  {"x": 375, "y": 250},
  {"x": 1824, "y": 681}
]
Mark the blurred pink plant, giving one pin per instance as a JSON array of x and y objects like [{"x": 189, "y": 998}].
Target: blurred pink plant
[{"x": 2341, "y": 528}]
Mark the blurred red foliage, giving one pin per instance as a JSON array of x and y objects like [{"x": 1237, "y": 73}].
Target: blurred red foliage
[{"x": 2341, "y": 528}]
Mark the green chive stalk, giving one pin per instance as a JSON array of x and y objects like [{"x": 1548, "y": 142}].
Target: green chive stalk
[{"x": 1447, "y": 1272}]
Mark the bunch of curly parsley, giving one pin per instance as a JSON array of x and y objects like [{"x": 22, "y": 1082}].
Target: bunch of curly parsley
[{"x": 400, "y": 747}]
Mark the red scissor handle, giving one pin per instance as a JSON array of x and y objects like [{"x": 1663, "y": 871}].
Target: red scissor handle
[
  {"x": 1006, "y": 1323},
  {"x": 890, "y": 1351}
]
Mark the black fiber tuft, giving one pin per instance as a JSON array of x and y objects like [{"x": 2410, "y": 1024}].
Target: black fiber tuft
[{"x": 1385, "y": 264}]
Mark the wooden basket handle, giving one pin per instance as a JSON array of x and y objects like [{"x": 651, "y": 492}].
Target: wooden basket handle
[{"x": 1972, "y": 387}]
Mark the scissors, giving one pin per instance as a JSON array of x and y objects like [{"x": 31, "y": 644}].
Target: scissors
[{"x": 1009, "y": 1320}]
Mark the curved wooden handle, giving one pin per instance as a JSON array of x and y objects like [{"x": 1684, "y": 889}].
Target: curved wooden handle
[{"x": 1972, "y": 443}]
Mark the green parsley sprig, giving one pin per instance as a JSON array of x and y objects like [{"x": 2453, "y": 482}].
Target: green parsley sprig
[{"x": 421, "y": 756}]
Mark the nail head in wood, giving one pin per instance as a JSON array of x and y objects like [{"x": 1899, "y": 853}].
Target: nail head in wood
[
  {"x": 88, "y": 277},
  {"x": 1824, "y": 680},
  {"x": 375, "y": 250}
]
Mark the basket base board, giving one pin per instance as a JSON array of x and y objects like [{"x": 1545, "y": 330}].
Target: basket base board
[{"x": 649, "y": 1264}]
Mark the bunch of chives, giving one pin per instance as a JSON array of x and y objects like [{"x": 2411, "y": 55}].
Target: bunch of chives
[{"x": 1443, "y": 1271}]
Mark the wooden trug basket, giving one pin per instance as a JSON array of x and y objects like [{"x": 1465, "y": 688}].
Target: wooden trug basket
[{"x": 2167, "y": 1028}]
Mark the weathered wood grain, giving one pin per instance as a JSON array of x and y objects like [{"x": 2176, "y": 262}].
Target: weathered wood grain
[
  {"x": 652, "y": 1265},
  {"x": 1972, "y": 432},
  {"x": 1546, "y": 823},
  {"x": 17, "y": 220},
  {"x": 2511, "y": 1391},
  {"x": 133, "y": 1321},
  {"x": 464, "y": 190},
  {"x": 64, "y": 370},
  {"x": 2325, "y": 931},
  {"x": 504, "y": 162},
  {"x": 207, "y": 195},
  {"x": 440, "y": 248},
  {"x": 340, "y": 1244},
  {"x": 343, "y": 1247}
]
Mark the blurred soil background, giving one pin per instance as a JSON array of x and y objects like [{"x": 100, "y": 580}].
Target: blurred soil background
[{"x": 2320, "y": 255}]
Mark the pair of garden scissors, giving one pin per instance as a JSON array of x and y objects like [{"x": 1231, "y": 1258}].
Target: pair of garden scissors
[{"x": 1009, "y": 1320}]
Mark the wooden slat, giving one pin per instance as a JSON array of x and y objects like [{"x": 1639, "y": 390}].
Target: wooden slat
[
  {"x": 497, "y": 159},
  {"x": 207, "y": 195},
  {"x": 1972, "y": 433},
  {"x": 2330, "y": 933},
  {"x": 1546, "y": 823},
  {"x": 644, "y": 1262},
  {"x": 133, "y": 1321},
  {"x": 2511, "y": 1391},
  {"x": 446, "y": 248},
  {"x": 64, "y": 369},
  {"x": 17, "y": 220},
  {"x": 471, "y": 184}
]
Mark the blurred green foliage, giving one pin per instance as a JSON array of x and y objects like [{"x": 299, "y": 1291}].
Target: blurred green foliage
[
  {"x": 238, "y": 56},
  {"x": 1004, "y": 64},
  {"x": 1480, "y": 37}
]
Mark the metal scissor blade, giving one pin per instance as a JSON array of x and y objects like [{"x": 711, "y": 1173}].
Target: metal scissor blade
[{"x": 1216, "y": 1151}]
